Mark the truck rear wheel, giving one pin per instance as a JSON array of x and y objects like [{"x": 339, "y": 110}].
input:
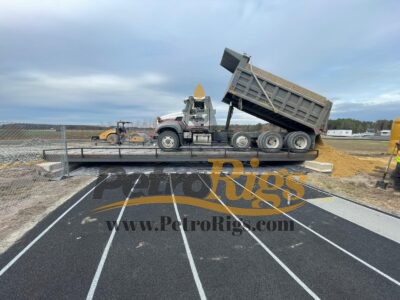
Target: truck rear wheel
[
  {"x": 168, "y": 140},
  {"x": 298, "y": 141},
  {"x": 270, "y": 141},
  {"x": 241, "y": 140}
]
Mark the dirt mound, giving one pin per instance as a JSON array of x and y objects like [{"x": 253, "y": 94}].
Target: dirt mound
[{"x": 344, "y": 165}]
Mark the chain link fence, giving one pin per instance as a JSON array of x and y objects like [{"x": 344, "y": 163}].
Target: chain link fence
[
  {"x": 29, "y": 186},
  {"x": 22, "y": 168},
  {"x": 22, "y": 143},
  {"x": 21, "y": 151}
]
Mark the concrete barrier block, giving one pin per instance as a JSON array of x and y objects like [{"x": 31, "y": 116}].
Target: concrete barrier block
[
  {"x": 322, "y": 167},
  {"x": 49, "y": 166},
  {"x": 49, "y": 169}
]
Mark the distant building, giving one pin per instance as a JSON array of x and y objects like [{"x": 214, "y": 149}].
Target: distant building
[
  {"x": 369, "y": 132},
  {"x": 340, "y": 132}
]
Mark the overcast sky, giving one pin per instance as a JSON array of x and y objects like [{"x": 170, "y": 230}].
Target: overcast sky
[{"x": 95, "y": 62}]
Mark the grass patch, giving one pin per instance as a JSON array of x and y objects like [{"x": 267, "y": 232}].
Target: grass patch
[{"x": 358, "y": 146}]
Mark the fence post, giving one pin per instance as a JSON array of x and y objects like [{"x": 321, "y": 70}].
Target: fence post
[{"x": 65, "y": 159}]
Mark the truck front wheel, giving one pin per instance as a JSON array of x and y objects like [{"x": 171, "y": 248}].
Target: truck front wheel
[{"x": 168, "y": 140}]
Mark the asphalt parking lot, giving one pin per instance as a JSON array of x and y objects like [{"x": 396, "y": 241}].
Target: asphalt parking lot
[{"x": 74, "y": 253}]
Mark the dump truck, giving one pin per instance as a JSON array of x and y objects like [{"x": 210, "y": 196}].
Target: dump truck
[{"x": 301, "y": 115}]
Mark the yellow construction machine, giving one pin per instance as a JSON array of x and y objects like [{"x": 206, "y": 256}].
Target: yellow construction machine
[{"x": 119, "y": 135}]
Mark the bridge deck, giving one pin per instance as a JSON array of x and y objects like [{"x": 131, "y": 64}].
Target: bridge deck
[{"x": 142, "y": 154}]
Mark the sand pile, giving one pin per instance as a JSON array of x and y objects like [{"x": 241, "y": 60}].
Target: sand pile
[{"x": 344, "y": 165}]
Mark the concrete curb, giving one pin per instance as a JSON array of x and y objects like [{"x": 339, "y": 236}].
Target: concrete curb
[{"x": 322, "y": 167}]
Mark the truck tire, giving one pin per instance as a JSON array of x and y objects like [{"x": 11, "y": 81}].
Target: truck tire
[
  {"x": 270, "y": 141},
  {"x": 241, "y": 140},
  {"x": 168, "y": 140},
  {"x": 112, "y": 138},
  {"x": 285, "y": 138},
  {"x": 298, "y": 141}
]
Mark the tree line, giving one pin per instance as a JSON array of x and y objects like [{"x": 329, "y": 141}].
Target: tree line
[
  {"x": 360, "y": 126},
  {"x": 356, "y": 125}
]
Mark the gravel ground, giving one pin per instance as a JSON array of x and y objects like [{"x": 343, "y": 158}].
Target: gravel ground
[{"x": 26, "y": 198}]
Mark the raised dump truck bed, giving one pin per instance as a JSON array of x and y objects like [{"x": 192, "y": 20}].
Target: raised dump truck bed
[{"x": 273, "y": 99}]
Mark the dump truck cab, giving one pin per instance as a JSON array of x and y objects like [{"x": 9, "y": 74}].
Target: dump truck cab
[{"x": 195, "y": 125}]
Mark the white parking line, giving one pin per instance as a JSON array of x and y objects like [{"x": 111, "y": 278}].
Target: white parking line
[
  {"x": 188, "y": 252},
  {"x": 276, "y": 258},
  {"x": 103, "y": 258},
  {"x": 18, "y": 256},
  {"x": 324, "y": 238}
]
